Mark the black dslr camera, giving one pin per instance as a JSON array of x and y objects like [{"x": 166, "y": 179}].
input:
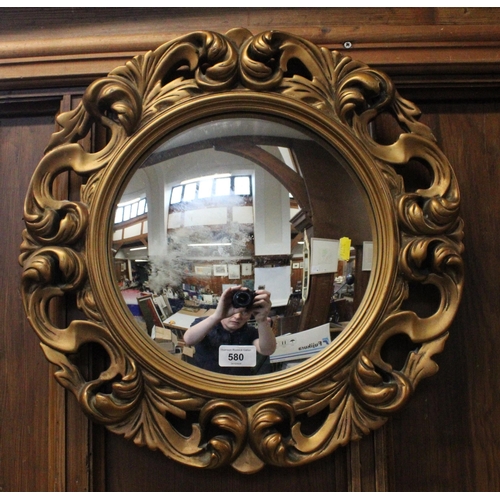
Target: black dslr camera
[{"x": 243, "y": 298}]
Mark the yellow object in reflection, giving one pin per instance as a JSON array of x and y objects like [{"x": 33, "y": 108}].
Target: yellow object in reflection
[{"x": 344, "y": 248}]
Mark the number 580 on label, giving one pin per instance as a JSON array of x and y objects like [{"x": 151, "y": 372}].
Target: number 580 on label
[{"x": 237, "y": 355}]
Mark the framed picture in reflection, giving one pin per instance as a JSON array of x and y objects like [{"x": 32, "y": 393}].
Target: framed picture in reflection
[
  {"x": 220, "y": 270},
  {"x": 234, "y": 271},
  {"x": 246, "y": 269},
  {"x": 203, "y": 270}
]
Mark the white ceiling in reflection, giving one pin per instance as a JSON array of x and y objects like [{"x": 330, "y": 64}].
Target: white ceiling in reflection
[{"x": 232, "y": 127}]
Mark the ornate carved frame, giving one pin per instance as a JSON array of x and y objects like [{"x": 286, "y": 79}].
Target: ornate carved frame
[{"x": 291, "y": 417}]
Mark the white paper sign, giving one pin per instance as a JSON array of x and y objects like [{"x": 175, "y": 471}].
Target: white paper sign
[
  {"x": 367, "y": 256},
  {"x": 277, "y": 281},
  {"x": 237, "y": 355},
  {"x": 324, "y": 256},
  {"x": 301, "y": 345}
]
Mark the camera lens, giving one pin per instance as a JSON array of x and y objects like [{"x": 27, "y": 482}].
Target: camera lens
[{"x": 242, "y": 298}]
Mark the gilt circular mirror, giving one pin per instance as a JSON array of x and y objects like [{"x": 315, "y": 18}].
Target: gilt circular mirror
[{"x": 247, "y": 161}]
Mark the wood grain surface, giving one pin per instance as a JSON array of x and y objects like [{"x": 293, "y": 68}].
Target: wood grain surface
[{"x": 444, "y": 59}]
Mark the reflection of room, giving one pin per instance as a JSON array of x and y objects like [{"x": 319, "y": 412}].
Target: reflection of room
[{"x": 227, "y": 204}]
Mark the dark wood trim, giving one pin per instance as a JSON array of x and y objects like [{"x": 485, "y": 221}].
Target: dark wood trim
[
  {"x": 56, "y": 404},
  {"x": 417, "y": 67},
  {"x": 56, "y": 434},
  {"x": 418, "y": 47},
  {"x": 380, "y": 447},
  {"x": 354, "y": 464}
]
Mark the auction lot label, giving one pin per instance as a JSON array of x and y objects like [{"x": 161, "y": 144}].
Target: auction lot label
[{"x": 237, "y": 355}]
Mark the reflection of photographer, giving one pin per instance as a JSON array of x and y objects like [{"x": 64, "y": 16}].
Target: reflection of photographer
[{"x": 228, "y": 326}]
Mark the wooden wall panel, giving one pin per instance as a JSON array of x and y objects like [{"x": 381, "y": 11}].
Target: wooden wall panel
[
  {"x": 24, "y": 372},
  {"x": 129, "y": 468},
  {"x": 41, "y": 424},
  {"x": 448, "y": 438},
  {"x": 447, "y": 62},
  {"x": 62, "y": 46}
]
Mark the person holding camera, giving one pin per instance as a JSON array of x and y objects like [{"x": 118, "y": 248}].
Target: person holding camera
[{"x": 228, "y": 326}]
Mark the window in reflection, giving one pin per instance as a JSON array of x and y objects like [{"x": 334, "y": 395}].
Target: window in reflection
[
  {"x": 130, "y": 210},
  {"x": 242, "y": 185},
  {"x": 176, "y": 196},
  {"x": 207, "y": 187},
  {"x": 189, "y": 192}
]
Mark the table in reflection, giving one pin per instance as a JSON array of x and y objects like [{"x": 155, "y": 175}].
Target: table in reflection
[{"x": 183, "y": 319}]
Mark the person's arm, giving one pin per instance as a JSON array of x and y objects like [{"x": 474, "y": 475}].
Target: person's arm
[
  {"x": 266, "y": 343},
  {"x": 196, "y": 333}
]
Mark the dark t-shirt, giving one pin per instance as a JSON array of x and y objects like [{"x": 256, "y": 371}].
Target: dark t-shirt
[{"x": 207, "y": 351}]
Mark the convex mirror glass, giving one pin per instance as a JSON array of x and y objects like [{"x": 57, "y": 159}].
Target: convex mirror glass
[{"x": 219, "y": 205}]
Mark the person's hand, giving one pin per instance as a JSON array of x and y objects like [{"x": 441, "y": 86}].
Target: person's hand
[
  {"x": 261, "y": 306},
  {"x": 225, "y": 306}
]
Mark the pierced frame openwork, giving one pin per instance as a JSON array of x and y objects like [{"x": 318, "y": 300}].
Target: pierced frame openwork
[{"x": 243, "y": 422}]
